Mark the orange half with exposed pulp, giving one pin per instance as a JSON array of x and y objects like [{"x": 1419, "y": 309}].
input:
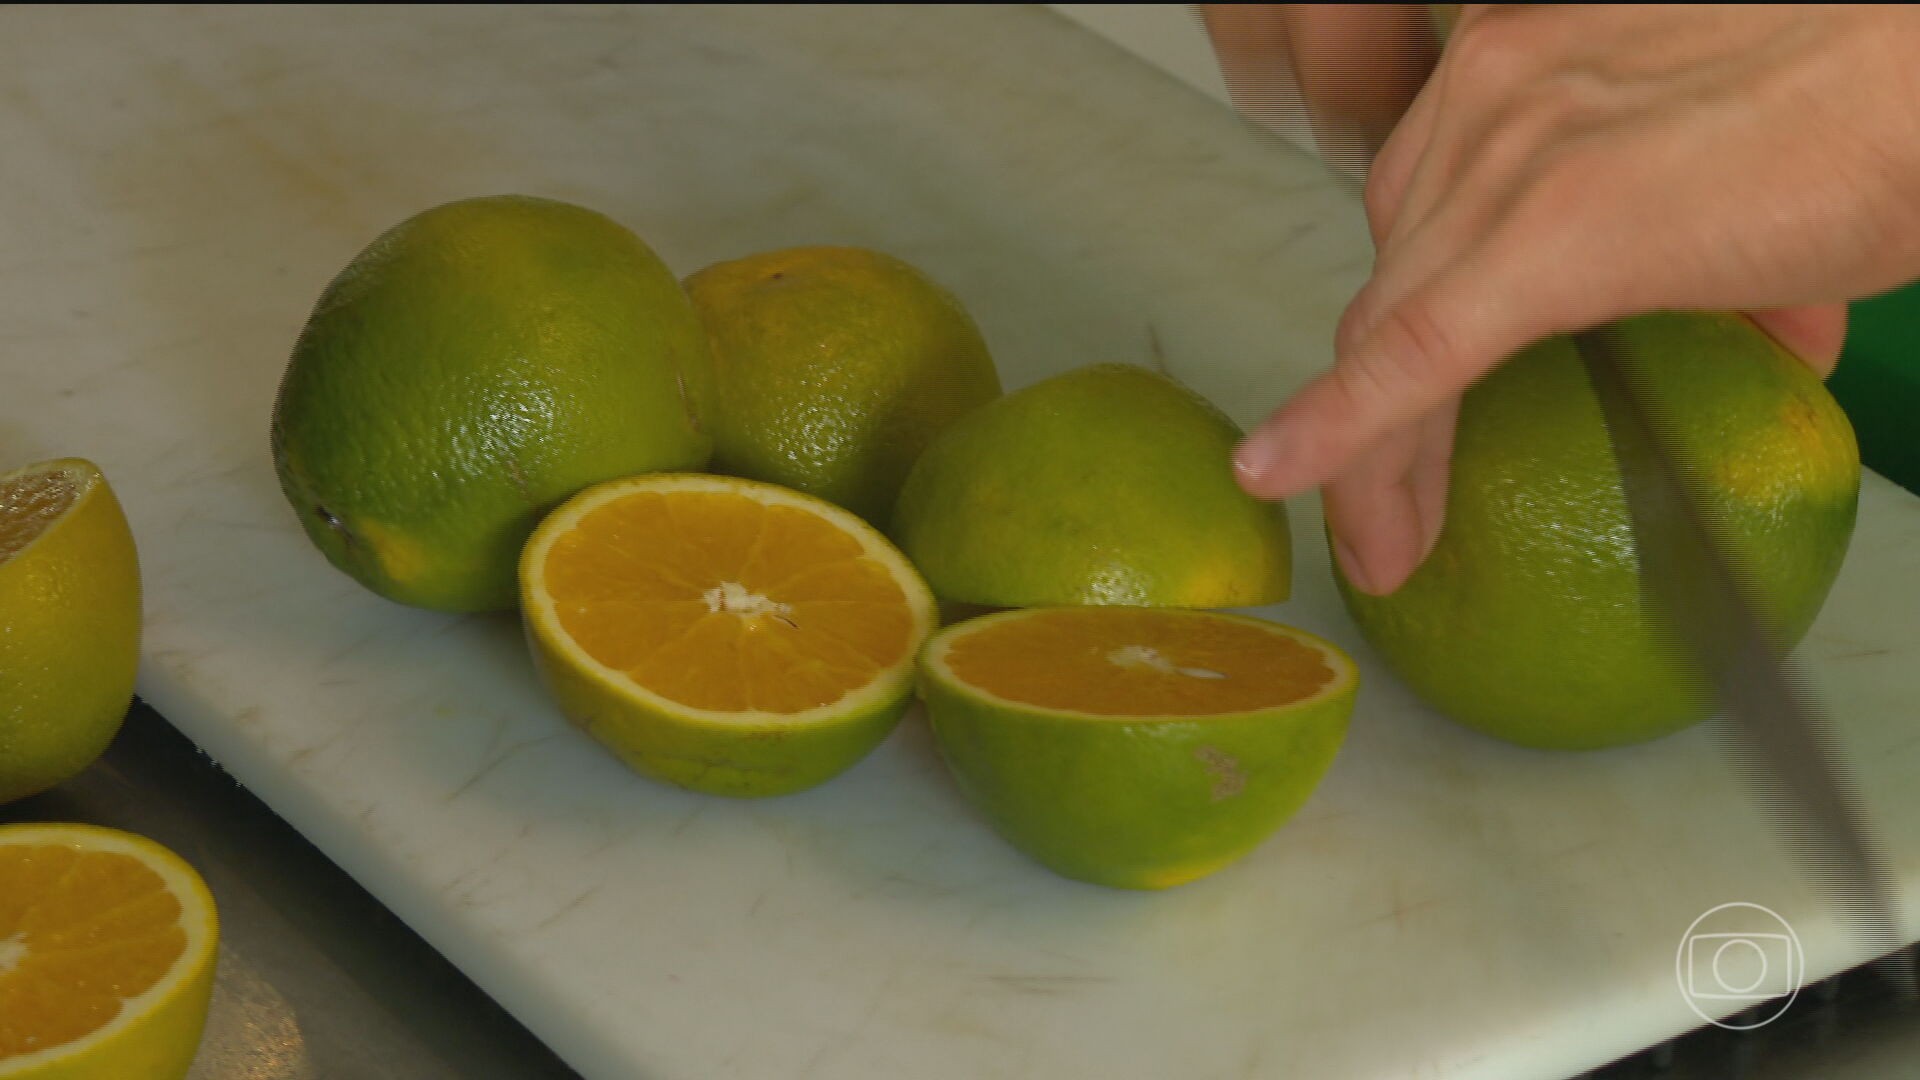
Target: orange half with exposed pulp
[
  {"x": 108, "y": 944},
  {"x": 725, "y": 635},
  {"x": 1137, "y": 748}
]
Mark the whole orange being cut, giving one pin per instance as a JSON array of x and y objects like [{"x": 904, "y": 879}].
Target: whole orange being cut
[{"x": 1526, "y": 623}]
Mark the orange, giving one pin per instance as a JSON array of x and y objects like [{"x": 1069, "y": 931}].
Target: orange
[
  {"x": 833, "y": 369},
  {"x": 1527, "y": 623},
  {"x": 1133, "y": 747},
  {"x": 69, "y": 622},
  {"x": 1107, "y": 484},
  {"x": 725, "y": 635},
  {"x": 471, "y": 369},
  {"x": 107, "y": 952}
]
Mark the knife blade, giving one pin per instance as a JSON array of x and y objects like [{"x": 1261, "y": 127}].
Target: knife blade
[
  {"x": 1770, "y": 721},
  {"x": 1703, "y": 605}
]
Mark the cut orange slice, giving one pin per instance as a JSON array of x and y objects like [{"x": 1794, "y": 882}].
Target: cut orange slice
[
  {"x": 107, "y": 952},
  {"x": 1134, "y": 747},
  {"x": 724, "y": 635}
]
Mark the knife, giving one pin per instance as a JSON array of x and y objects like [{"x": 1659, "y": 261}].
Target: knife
[
  {"x": 1703, "y": 606},
  {"x": 1770, "y": 720}
]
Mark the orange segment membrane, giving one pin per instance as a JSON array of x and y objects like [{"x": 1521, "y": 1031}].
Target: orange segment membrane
[
  {"x": 718, "y": 601},
  {"x": 28, "y": 504},
  {"x": 1130, "y": 662},
  {"x": 80, "y": 933}
]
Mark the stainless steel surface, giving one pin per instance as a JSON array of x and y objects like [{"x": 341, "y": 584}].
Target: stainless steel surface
[
  {"x": 316, "y": 980},
  {"x": 1707, "y": 609}
]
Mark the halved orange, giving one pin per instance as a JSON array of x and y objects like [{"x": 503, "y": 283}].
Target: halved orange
[
  {"x": 725, "y": 635},
  {"x": 69, "y": 622},
  {"x": 1138, "y": 748},
  {"x": 107, "y": 952}
]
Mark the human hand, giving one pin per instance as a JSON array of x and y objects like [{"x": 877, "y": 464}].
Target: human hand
[
  {"x": 1566, "y": 166},
  {"x": 1342, "y": 73}
]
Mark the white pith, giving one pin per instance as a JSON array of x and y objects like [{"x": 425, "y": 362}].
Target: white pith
[
  {"x": 734, "y": 599},
  {"x": 1147, "y": 656},
  {"x": 12, "y": 951}
]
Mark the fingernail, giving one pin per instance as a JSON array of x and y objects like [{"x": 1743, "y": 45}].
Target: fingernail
[
  {"x": 1351, "y": 566},
  {"x": 1263, "y": 457}
]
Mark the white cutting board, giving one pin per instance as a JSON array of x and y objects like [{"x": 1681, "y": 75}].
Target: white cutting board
[{"x": 176, "y": 186}]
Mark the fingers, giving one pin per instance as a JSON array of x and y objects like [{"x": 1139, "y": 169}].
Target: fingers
[
  {"x": 1250, "y": 41},
  {"x": 1432, "y": 468},
  {"x": 1814, "y": 334},
  {"x": 1359, "y": 67},
  {"x": 1385, "y": 512},
  {"x": 1344, "y": 73},
  {"x": 1392, "y": 170},
  {"x": 1372, "y": 516},
  {"x": 1349, "y": 75},
  {"x": 1565, "y": 166},
  {"x": 1416, "y": 354}
]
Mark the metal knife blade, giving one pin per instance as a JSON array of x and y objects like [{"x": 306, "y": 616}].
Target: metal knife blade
[
  {"x": 1770, "y": 719},
  {"x": 1703, "y": 603}
]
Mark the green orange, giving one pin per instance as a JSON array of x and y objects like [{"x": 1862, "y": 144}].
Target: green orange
[
  {"x": 1108, "y": 484},
  {"x": 1526, "y": 621},
  {"x": 473, "y": 367},
  {"x": 834, "y": 367},
  {"x": 1130, "y": 747}
]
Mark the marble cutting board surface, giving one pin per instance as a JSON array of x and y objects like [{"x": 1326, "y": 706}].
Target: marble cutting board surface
[{"x": 177, "y": 185}]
